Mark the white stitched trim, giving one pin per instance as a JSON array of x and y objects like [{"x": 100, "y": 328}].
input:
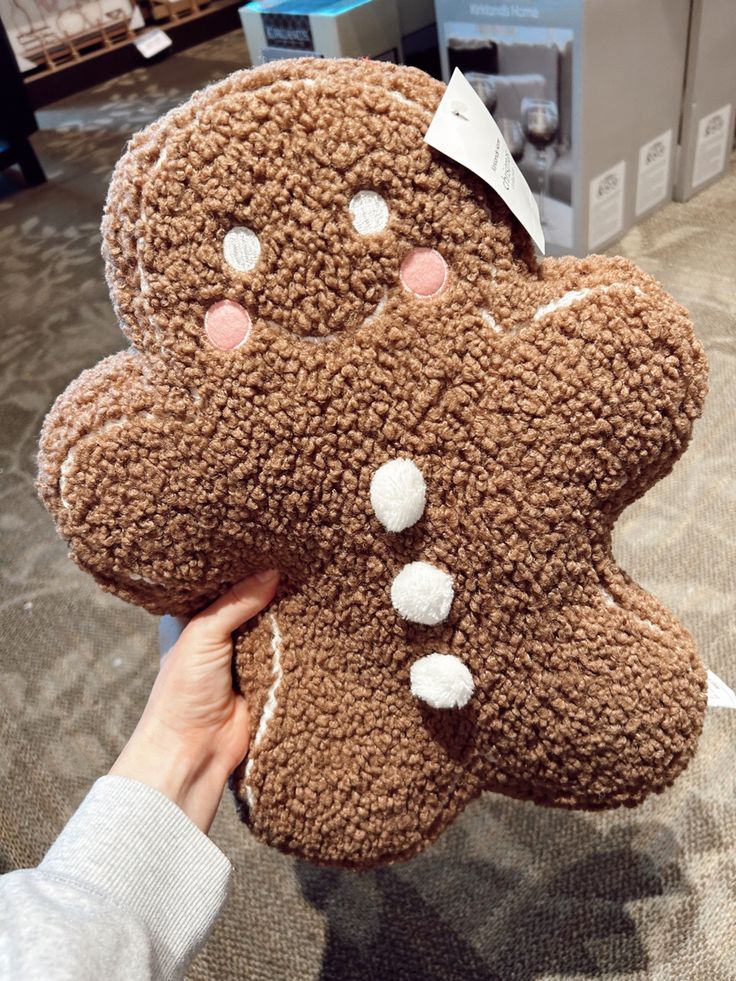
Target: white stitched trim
[
  {"x": 142, "y": 222},
  {"x": 377, "y": 312},
  {"x": 490, "y": 320},
  {"x": 564, "y": 301},
  {"x": 402, "y": 98},
  {"x": 138, "y": 578},
  {"x": 648, "y": 623},
  {"x": 66, "y": 466},
  {"x": 310, "y": 338},
  {"x": 140, "y": 243},
  {"x": 610, "y": 601},
  {"x": 573, "y": 296},
  {"x": 269, "y": 706}
]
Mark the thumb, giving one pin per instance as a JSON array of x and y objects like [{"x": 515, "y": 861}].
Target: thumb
[{"x": 214, "y": 625}]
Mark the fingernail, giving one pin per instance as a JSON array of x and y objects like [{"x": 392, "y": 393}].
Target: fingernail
[{"x": 267, "y": 575}]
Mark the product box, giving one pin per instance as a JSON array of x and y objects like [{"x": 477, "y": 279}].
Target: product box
[
  {"x": 419, "y": 35},
  {"x": 587, "y": 94},
  {"x": 414, "y": 15},
  {"x": 706, "y": 132},
  {"x": 322, "y": 28}
]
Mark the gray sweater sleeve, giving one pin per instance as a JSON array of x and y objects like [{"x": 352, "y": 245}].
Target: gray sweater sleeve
[{"x": 129, "y": 890}]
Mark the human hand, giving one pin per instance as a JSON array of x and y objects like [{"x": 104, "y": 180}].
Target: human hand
[{"x": 195, "y": 728}]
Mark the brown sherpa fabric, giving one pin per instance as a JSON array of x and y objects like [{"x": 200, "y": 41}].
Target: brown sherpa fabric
[{"x": 536, "y": 400}]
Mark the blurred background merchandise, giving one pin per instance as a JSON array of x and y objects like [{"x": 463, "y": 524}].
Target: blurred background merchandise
[
  {"x": 64, "y": 46},
  {"x": 589, "y": 95},
  {"x": 708, "y": 99},
  {"x": 48, "y": 33},
  {"x": 390, "y": 30}
]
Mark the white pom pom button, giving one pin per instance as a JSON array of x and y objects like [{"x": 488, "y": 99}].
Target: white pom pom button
[
  {"x": 398, "y": 494},
  {"x": 442, "y": 681},
  {"x": 422, "y": 593}
]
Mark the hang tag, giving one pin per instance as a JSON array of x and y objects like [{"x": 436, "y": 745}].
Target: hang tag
[
  {"x": 464, "y": 130},
  {"x": 152, "y": 42},
  {"x": 719, "y": 694},
  {"x": 136, "y": 22}
]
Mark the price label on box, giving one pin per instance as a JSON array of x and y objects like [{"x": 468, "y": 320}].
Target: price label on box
[
  {"x": 153, "y": 42},
  {"x": 714, "y": 134}
]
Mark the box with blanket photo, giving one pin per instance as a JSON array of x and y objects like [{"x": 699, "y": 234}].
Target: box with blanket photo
[{"x": 587, "y": 94}]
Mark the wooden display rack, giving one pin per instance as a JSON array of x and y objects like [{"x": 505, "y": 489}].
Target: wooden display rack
[
  {"x": 85, "y": 60},
  {"x": 74, "y": 49},
  {"x": 174, "y": 10}
]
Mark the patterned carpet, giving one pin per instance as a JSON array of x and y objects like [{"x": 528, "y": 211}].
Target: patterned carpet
[{"x": 512, "y": 891}]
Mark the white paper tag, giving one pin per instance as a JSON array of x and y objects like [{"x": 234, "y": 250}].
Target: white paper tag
[
  {"x": 24, "y": 64},
  {"x": 719, "y": 694},
  {"x": 136, "y": 22},
  {"x": 464, "y": 130},
  {"x": 606, "y": 214},
  {"x": 152, "y": 42},
  {"x": 654, "y": 169},
  {"x": 714, "y": 133}
]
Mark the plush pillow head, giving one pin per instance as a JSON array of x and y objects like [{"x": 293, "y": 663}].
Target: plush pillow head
[{"x": 346, "y": 363}]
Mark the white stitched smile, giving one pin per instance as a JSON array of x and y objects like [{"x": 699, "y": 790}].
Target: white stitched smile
[{"x": 269, "y": 706}]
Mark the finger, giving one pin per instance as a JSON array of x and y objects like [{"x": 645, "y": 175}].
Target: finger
[
  {"x": 241, "y": 602},
  {"x": 169, "y": 631}
]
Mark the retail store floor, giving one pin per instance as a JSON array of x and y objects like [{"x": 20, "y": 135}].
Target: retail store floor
[{"x": 511, "y": 891}]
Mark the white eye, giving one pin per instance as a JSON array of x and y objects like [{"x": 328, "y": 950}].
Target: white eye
[
  {"x": 369, "y": 212},
  {"x": 241, "y": 249}
]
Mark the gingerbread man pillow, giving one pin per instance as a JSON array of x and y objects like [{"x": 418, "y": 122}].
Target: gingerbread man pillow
[{"x": 346, "y": 363}]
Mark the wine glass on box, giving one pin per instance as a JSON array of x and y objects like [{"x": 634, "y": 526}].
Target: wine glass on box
[
  {"x": 513, "y": 134},
  {"x": 540, "y": 120},
  {"x": 485, "y": 87}
]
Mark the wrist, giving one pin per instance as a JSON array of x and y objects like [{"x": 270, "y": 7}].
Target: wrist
[{"x": 186, "y": 771}]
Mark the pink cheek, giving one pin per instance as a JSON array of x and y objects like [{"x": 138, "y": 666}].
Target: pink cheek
[
  {"x": 424, "y": 272},
  {"x": 227, "y": 325}
]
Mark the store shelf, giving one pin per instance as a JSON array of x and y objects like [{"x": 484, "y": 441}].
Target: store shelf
[{"x": 105, "y": 54}]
